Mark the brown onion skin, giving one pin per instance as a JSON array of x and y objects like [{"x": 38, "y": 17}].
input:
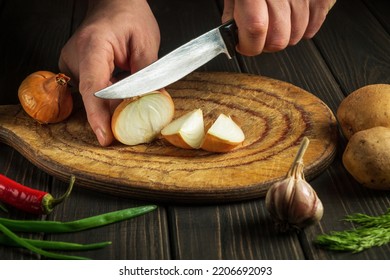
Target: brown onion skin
[
  {"x": 177, "y": 141},
  {"x": 46, "y": 97},
  {"x": 212, "y": 143}
]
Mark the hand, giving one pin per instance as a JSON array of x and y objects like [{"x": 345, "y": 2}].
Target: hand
[
  {"x": 115, "y": 33},
  {"x": 272, "y": 25}
]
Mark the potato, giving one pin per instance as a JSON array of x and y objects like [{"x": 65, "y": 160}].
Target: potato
[
  {"x": 365, "y": 108},
  {"x": 367, "y": 157}
]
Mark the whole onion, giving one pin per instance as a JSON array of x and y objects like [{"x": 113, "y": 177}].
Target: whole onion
[{"x": 46, "y": 97}]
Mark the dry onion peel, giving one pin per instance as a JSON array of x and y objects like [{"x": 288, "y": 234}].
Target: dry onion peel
[
  {"x": 140, "y": 120},
  {"x": 46, "y": 97}
]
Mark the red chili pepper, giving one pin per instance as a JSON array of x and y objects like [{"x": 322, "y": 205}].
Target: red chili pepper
[{"x": 28, "y": 199}]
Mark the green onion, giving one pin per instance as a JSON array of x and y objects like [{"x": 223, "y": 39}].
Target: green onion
[
  {"x": 77, "y": 225},
  {"x": 7, "y": 226},
  {"x": 54, "y": 245},
  {"x": 34, "y": 249}
]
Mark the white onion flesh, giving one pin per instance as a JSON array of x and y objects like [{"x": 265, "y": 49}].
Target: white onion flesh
[
  {"x": 140, "y": 120},
  {"x": 188, "y": 128},
  {"x": 226, "y": 129}
]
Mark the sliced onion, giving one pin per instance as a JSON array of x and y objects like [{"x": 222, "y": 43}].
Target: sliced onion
[
  {"x": 140, "y": 120},
  {"x": 187, "y": 131},
  {"x": 223, "y": 136}
]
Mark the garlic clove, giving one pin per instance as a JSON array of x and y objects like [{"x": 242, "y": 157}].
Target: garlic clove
[
  {"x": 305, "y": 207},
  {"x": 140, "y": 120},
  {"x": 223, "y": 136},
  {"x": 187, "y": 131},
  {"x": 277, "y": 199}
]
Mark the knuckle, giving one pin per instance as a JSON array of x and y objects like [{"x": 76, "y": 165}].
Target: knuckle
[
  {"x": 252, "y": 37},
  {"x": 86, "y": 86},
  {"x": 256, "y": 29},
  {"x": 276, "y": 44}
]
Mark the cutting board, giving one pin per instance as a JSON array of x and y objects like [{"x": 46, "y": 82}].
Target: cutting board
[{"x": 274, "y": 116}]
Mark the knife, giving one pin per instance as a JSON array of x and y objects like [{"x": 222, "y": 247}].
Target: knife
[{"x": 177, "y": 64}]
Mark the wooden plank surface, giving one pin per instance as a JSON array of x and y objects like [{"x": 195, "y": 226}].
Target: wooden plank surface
[
  {"x": 356, "y": 51},
  {"x": 351, "y": 50},
  {"x": 380, "y": 10},
  {"x": 357, "y": 54}
]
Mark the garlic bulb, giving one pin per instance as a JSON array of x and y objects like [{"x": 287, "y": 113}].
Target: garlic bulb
[{"x": 292, "y": 202}]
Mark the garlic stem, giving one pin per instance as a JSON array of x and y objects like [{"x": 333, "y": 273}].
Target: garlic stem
[
  {"x": 296, "y": 169},
  {"x": 301, "y": 151}
]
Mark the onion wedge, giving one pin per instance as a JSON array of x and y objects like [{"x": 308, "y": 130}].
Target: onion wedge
[
  {"x": 223, "y": 136},
  {"x": 187, "y": 131}
]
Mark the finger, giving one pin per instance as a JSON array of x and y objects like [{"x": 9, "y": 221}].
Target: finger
[
  {"x": 318, "y": 12},
  {"x": 252, "y": 21},
  {"x": 228, "y": 10},
  {"x": 299, "y": 20},
  {"x": 68, "y": 64},
  {"x": 279, "y": 29},
  {"x": 95, "y": 70}
]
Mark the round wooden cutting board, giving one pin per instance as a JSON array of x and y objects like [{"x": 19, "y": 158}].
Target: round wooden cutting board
[{"x": 274, "y": 116}]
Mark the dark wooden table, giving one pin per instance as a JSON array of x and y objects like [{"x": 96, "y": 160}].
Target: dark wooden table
[{"x": 351, "y": 50}]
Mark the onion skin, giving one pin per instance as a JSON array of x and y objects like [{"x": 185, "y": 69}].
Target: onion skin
[
  {"x": 177, "y": 141},
  {"x": 215, "y": 144},
  {"x": 46, "y": 97}
]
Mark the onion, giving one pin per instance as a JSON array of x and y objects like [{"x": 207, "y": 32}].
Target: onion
[
  {"x": 140, "y": 120},
  {"x": 46, "y": 97},
  {"x": 223, "y": 136},
  {"x": 187, "y": 131}
]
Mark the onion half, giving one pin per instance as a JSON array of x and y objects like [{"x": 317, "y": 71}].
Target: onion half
[{"x": 140, "y": 120}]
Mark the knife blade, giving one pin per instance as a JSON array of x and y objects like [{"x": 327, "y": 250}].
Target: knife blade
[{"x": 176, "y": 64}]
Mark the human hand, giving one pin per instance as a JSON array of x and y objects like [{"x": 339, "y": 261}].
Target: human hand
[
  {"x": 115, "y": 33},
  {"x": 272, "y": 25}
]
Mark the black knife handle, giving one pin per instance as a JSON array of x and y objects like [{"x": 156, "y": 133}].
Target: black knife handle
[{"x": 230, "y": 36}]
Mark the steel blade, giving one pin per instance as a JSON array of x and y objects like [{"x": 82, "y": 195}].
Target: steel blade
[{"x": 169, "y": 68}]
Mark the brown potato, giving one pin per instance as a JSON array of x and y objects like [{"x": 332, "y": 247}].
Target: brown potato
[
  {"x": 365, "y": 108},
  {"x": 367, "y": 157}
]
